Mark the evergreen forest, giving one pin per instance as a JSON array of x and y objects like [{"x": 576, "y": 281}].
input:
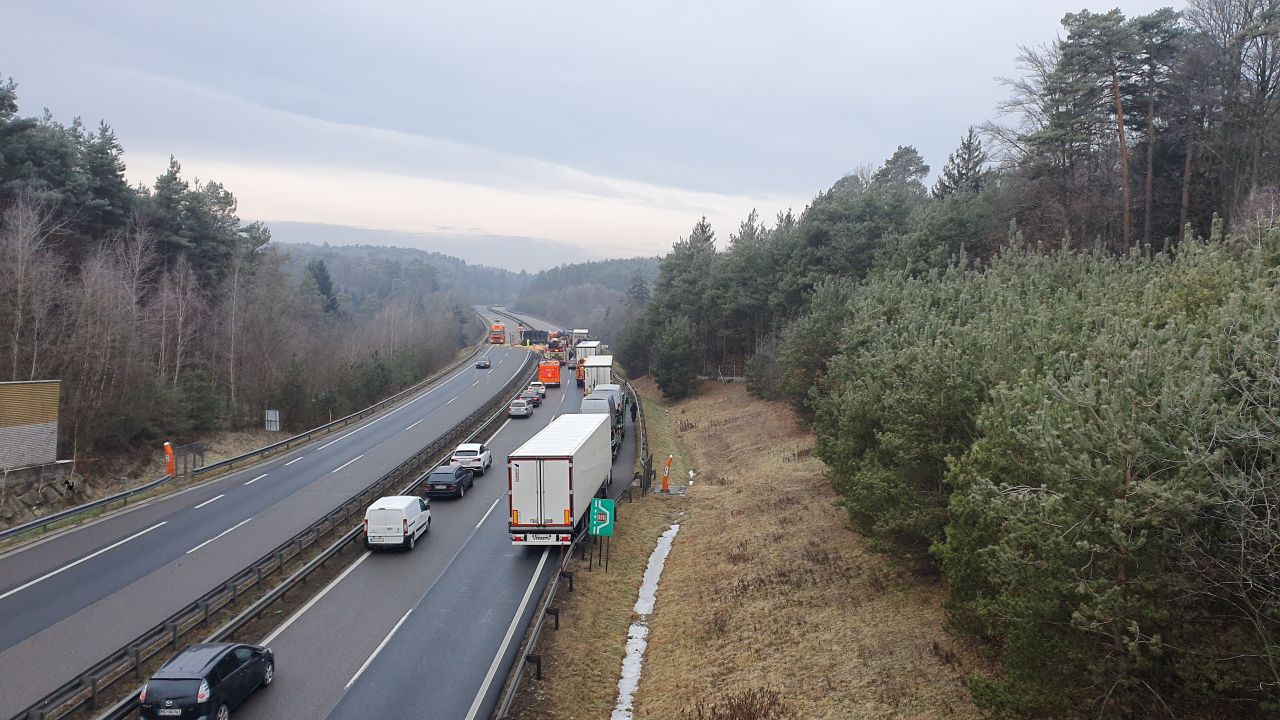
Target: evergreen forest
[{"x": 1050, "y": 376}]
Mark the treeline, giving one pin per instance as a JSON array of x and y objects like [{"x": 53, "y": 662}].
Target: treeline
[
  {"x": 164, "y": 314},
  {"x": 597, "y": 295},
  {"x": 1052, "y": 377}
]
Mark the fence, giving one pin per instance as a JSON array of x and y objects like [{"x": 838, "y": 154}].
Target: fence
[
  {"x": 129, "y": 662},
  {"x": 204, "y": 472}
]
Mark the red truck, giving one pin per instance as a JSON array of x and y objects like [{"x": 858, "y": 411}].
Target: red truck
[{"x": 549, "y": 373}]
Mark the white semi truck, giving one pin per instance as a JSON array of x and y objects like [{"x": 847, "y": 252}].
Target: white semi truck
[
  {"x": 552, "y": 478},
  {"x": 598, "y": 370}
]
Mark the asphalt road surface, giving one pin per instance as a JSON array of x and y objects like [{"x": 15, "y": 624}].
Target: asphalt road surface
[
  {"x": 430, "y": 634},
  {"x": 69, "y": 601}
]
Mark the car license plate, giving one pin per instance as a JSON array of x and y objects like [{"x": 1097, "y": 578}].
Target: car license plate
[
  {"x": 438, "y": 487},
  {"x": 169, "y": 712},
  {"x": 542, "y": 538}
]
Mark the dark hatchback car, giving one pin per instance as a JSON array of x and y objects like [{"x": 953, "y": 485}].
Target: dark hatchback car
[
  {"x": 532, "y": 396},
  {"x": 449, "y": 481},
  {"x": 483, "y": 364},
  {"x": 206, "y": 681}
]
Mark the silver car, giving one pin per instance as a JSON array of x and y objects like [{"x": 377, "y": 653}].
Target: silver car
[{"x": 520, "y": 408}]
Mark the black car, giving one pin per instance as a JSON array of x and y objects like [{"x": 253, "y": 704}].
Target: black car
[
  {"x": 483, "y": 363},
  {"x": 449, "y": 481},
  {"x": 532, "y": 396},
  {"x": 206, "y": 681}
]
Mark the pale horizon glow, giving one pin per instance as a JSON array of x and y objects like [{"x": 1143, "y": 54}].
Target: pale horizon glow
[{"x": 637, "y": 214}]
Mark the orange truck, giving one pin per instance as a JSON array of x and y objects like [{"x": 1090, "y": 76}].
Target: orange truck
[
  {"x": 549, "y": 373},
  {"x": 497, "y": 333}
]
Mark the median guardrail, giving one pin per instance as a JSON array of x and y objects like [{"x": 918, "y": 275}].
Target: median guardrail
[
  {"x": 129, "y": 663},
  {"x": 253, "y": 456}
]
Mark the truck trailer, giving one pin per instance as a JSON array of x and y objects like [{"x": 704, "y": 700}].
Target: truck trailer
[
  {"x": 587, "y": 348},
  {"x": 552, "y": 478},
  {"x": 597, "y": 369}
]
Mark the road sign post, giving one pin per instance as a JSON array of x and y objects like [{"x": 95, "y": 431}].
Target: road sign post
[{"x": 600, "y": 524}]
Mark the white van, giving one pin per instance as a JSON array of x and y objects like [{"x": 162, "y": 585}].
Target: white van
[{"x": 396, "y": 521}]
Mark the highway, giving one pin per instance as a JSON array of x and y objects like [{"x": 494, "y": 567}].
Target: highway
[
  {"x": 73, "y": 598},
  {"x": 429, "y": 634}
]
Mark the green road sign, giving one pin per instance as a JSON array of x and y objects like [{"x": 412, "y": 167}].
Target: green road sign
[{"x": 601, "y": 518}]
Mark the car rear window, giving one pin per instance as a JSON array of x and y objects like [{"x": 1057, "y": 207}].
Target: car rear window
[
  {"x": 466, "y": 453},
  {"x": 444, "y": 472},
  {"x": 172, "y": 689}
]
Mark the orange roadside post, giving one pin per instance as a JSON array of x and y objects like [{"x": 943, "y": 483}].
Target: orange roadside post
[
  {"x": 666, "y": 475},
  {"x": 170, "y": 462}
]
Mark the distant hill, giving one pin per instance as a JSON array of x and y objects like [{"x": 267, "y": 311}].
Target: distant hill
[
  {"x": 364, "y": 272},
  {"x": 589, "y": 294},
  {"x": 514, "y": 253}
]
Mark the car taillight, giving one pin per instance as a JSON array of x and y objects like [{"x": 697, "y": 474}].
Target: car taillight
[
  {"x": 365, "y": 522},
  {"x": 404, "y": 525},
  {"x": 203, "y": 693},
  {"x": 142, "y": 696}
]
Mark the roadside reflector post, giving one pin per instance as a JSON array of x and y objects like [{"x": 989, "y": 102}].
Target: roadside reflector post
[
  {"x": 537, "y": 664},
  {"x": 568, "y": 575},
  {"x": 555, "y": 613}
]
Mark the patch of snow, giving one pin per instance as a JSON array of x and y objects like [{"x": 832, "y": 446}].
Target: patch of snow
[
  {"x": 653, "y": 571},
  {"x": 638, "y": 633}
]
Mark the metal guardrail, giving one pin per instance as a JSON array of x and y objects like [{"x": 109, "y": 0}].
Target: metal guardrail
[
  {"x": 210, "y": 471},
  {"x": 83, "y": 691},
  {"x": 526, "y": 655}
]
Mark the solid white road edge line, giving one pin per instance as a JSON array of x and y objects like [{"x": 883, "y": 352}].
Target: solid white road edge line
[
  {"x": 377, "y": 650},
  {"x": 332, "y": 584},
  {"x": 256, "y": 479},
  {"x": 511, "y": 629},
  {"x": 209, "y": 501},
  {"x": 495, "y": 433},
  {"x": 488, "y": 512},
  {"x": 215, "y": 537},
  {"x": 86, "y": 558},
  {"x": 347, "y": 463},
  {"x": 294, "y": 460}
]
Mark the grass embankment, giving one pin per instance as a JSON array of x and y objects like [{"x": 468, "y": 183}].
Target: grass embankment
[{"x": 766, "y": 593}]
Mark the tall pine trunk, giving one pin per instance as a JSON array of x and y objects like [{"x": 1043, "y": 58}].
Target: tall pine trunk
[
  {"x": 1151, "y": 155},
  {"x": 1124, "y": 160},
  {"x": 1186, "y": 181}
]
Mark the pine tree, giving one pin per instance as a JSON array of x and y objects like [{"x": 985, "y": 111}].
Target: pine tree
[
  {"x": 676, "y": 356},
  {"x": 965, "y": 170}
]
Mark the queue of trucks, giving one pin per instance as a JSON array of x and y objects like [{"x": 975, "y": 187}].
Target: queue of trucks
[{"x": 554, "y": 475}]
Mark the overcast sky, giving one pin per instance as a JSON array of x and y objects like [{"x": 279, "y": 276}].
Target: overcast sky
[{"x": 609, "y": 127}]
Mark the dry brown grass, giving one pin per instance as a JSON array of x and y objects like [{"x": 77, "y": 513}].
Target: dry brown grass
[{"x": 766, "y": 590}]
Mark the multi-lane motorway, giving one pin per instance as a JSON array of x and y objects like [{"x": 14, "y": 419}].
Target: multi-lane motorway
[
  {"x": 70, "y": 600},
  {"x": 429, "y": 634}
]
